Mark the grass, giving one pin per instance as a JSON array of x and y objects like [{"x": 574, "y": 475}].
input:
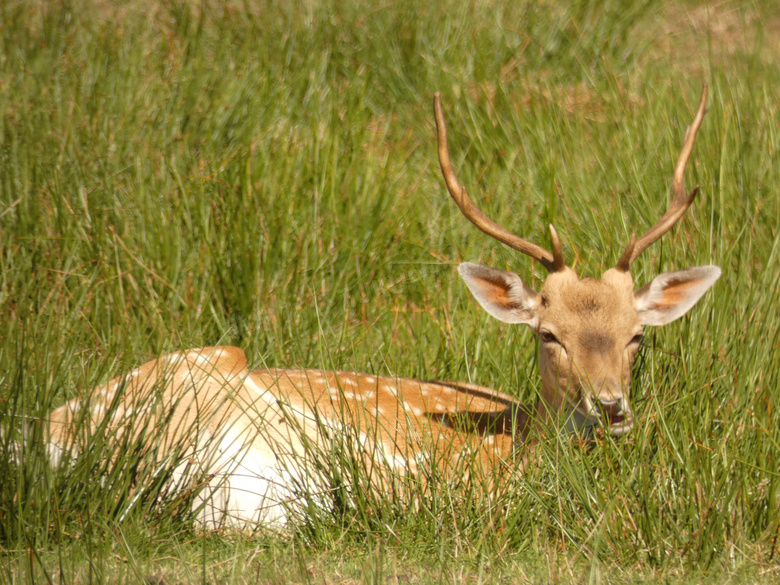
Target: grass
[{"x": 176, "y": 174}]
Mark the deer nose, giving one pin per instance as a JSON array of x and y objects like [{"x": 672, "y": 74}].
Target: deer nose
[{"x": 611, "y": 408}]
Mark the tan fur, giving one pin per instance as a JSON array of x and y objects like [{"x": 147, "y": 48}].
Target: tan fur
[
  {"x": 219, "y": 416},
  {"x": 594, "y": 321}
]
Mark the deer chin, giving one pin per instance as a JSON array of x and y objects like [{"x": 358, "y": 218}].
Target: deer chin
[{"x": 620, "y": 425}]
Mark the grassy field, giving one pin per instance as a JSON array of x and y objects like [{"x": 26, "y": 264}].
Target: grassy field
[{"x": 177, "y": 174}]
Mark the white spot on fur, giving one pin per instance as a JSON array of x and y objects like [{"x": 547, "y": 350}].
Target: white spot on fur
[
  {"x": 263, "y": 393},
  {"x": 172, "y": 359},
  {"x": 358, "y": 396},
  {"x": 413, "y": 409},
  {"x": 121, "y": 414},
  {"x": 198, "y": 358},
  {"x": 421, "y": 457},
  {"x": 55, "y": 452},
  {"x": 438, "y": 406},
  {"x": 397, "y": 462},
  {"x": 392, "y": 390},
  {"x": 348, "y": 381},
  {"x": 146, "y": 410}
]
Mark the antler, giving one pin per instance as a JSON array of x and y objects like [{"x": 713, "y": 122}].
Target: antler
[
  {"x": 553, "y": 262},
  {"x": 681, "y": 200}
]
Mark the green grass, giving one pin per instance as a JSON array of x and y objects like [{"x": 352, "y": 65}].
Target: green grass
[{"x": 175, "y": 175}]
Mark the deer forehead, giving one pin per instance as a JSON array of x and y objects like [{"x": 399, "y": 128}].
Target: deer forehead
[{"x": 593, "y": 313}]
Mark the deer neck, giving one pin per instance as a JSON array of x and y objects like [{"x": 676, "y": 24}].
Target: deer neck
[{"x": 564, "y": 419}]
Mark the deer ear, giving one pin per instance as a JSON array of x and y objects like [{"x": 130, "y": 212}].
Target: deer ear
[
  {"x": 670, "y": 295},
  {"x": 502, "y": 294}
]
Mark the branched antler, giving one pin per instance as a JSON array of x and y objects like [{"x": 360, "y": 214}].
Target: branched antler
[
  {"x": 553, "y": 262},
  {"x": 681, "y": 200}
]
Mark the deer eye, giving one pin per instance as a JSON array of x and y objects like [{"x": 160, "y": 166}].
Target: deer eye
[{"x": 547, "y": 337}]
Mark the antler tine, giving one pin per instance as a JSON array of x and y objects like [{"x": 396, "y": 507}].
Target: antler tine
[
  {"x": 558, "y": 262},
  {"x": 472, "y": 213},
  {"x": 681, "y": 200}
]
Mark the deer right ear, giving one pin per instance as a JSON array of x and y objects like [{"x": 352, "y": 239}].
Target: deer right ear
[
  {"x": 502, "y": 294},
  {"x": 670, "y": 295}
]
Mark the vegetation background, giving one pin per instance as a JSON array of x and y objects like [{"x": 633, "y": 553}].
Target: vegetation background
[{"x": 177, "y": 174}]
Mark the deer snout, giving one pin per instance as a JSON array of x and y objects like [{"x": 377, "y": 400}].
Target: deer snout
[
  {"x": 610, "y": 408},
  {"x": 609, "y": 404},
  {"x": 616, "y": 413}
]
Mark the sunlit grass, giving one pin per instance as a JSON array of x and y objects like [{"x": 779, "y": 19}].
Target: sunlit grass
[{"x": 176, "y": 175}]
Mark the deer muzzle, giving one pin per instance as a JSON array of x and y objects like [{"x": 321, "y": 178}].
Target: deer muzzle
[{"x": 615, "y": 415}]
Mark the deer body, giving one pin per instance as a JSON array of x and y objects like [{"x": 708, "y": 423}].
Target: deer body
[
  {"x": 246, "y": 436},
  {"x": 242, "y": 439}
]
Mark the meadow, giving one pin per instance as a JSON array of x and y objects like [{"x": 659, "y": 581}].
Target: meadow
[{"x": 177, "y": 174}]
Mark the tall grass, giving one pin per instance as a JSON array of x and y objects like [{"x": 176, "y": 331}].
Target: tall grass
[{"x": 177, "y": 175}]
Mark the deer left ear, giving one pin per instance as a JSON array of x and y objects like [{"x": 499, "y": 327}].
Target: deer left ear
[
  {"x": 672, "y": 294},
  {"x": 502, "y": 294}
]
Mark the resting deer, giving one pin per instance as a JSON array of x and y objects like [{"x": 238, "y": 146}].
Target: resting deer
[{"x": 247, "y": 434}]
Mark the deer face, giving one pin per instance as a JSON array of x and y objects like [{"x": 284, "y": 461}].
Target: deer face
[
  {"x": 588, "y": 335},
  {"x": 589, "y": 332}
]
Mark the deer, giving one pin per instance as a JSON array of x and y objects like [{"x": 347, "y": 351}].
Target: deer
[{"x": 240, "y": 439}]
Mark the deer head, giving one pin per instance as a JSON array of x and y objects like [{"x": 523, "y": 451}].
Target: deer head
[{"x": 589, "y": 330}]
